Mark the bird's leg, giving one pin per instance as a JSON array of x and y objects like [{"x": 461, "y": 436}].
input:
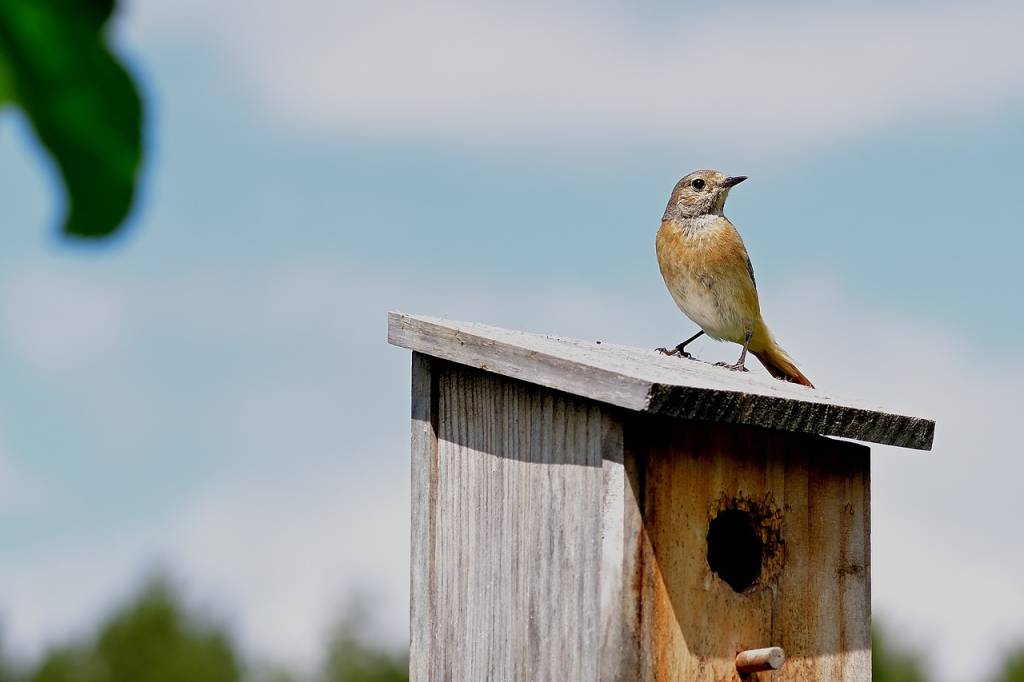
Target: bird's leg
[
  {"x": 680, "y": 349},
  {"x": 739, "y": 366}
]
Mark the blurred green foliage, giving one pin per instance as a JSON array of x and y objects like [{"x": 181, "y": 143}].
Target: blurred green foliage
[
  {"x": 351, "y": 658},
  {"x": 8, "y": 673},
  {"x": 84, "y": 107},
  {"x": 5, "y": 81},
  {"x": 154, "y": 638},
  {"x": 891, "y": 661},
  {"x": 1013, "y": 667}
]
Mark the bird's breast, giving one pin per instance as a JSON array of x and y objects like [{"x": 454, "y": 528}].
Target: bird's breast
[{"x": 706, "y": 273}]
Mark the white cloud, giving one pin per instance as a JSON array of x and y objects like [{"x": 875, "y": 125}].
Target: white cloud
[
  {"x": 311, "y": 500},
  {"x": 58, "y": 322},
  {"x": 758, "y": 77},
  {"x": 284, "y": 551}
]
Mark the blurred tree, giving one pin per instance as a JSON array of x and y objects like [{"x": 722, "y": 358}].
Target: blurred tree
[
  {"x": 890, "y": 662},
  {"x": 55, "y": 65},
  {"x": 1013, "y": 667},
  {"x": 353, "y": 657},
  {"x": 8, "y": 671},
  {"x": 152, "y": 639},
  {"x": 273, "y": 673},
  {"x": 149, "y": 640}
]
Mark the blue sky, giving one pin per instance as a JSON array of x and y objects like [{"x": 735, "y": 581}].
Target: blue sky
[{"x": 213, "y": 393}]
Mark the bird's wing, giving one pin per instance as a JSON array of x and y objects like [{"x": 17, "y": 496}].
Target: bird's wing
[{"x": 750, "y": 269}]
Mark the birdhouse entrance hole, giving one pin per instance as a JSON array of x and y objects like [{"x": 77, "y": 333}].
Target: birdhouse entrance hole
[{"x": 735, "y": 548}]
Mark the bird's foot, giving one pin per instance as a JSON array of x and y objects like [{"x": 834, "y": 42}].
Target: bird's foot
[
  {"x": 736, "y": 367},
  {"x": 678, "y": 350}
]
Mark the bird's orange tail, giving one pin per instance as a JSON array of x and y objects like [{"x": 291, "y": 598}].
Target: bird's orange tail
[{"x": 780, "y": 365}]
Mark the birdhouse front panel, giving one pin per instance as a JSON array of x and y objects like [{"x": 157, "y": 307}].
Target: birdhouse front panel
[{"x": 748, "y": 539}]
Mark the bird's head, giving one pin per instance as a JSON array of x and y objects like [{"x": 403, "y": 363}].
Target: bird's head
[{"x": 700, "y": 193}]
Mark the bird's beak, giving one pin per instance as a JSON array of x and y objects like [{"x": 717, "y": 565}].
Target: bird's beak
[{"x": 734, "y": 180}]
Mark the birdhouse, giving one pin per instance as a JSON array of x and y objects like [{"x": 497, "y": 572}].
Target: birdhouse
[{"x": 588, "y": 511}]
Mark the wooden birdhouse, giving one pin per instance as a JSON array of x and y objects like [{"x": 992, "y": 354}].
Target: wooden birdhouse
[{"x": 586, "y": 511}]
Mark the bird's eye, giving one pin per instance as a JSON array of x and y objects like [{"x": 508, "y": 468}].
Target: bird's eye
[{"x": 697, "y": 184}]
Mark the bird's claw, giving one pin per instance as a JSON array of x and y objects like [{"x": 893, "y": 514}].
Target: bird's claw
[
  {"x": 736, "y": 367},
  {"x": 673, "y": 352}
]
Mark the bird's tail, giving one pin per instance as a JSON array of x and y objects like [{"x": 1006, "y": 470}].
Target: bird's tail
[{"x": 778, "y": 363}]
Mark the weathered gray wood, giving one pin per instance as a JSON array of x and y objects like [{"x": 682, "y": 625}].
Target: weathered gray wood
[
  {"x": 612, "y": 582},
  {"x": 636, "y": 546},
  {"x": 424, "y": 482},
  {"x": 646, "y": 381},
  {"x": 517, "y": 554}
]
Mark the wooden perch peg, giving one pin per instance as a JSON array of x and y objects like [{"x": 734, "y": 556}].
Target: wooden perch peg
[{"x": 759, "y": 660}]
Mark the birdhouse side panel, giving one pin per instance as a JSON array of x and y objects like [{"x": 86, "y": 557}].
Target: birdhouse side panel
[{"x": 511, "y": 524}]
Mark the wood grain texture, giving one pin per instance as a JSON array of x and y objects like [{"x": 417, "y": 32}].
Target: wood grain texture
[
  {"x": 612, "y": 581},
  {"x": 645, "y": 381},
  {"x": 423, "y": 580},
  {"x": 811, "y": 499},
  {"x": 517, "y": 547}
]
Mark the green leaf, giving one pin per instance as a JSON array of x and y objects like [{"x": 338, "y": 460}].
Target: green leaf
[
  {"x": 5, "y": 80},
  {"x": 81, "y": 101}
]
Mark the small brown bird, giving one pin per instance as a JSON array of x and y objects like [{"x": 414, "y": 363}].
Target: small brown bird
[{"x": 708, "y": 272}]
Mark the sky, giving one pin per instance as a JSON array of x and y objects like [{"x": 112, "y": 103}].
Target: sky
[{"x": 211, "y": 394}]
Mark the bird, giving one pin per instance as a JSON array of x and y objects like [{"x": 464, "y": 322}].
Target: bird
[{"x": 709, "y": 275}]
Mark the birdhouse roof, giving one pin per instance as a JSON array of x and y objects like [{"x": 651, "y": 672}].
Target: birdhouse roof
[{"x": 646, "y": 381}]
